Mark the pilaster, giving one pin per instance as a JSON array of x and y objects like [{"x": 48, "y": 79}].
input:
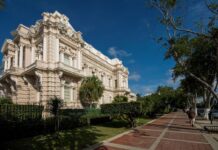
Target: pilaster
[
  {"x": 45, "y": 41},
  {"x": 16, "y": 58},
  {"x": 33, "y": 54},
  {"x": 21, "y": 57},
  {"x": 79, "y": 59}
]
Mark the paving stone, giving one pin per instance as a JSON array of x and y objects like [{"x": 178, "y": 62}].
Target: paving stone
[
  {"x": 136, "y": 141},
  {"x": 179, "y": 145},
  {"x": 185, "y": 136},
  {"x": 104, "y": 147}
]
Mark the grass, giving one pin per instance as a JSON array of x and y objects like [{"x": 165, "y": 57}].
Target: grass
[{"x": 76, "y": 139}]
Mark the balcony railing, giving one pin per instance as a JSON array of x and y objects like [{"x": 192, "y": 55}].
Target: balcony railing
[{"x": 55, "y": 66}]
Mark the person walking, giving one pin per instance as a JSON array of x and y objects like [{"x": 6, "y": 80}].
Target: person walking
[{"x": 191, "y": 115}]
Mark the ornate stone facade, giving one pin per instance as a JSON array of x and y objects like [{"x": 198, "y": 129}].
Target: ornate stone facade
[{"x": 50, "y": 59}]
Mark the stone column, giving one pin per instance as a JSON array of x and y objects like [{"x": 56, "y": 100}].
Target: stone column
[
  {"x": 62, "y": 89},
  {"x": 32, "y": 54},
  {"x": 16, "y": 58},
  {"x": 57, "y": 50},
  {"x": 44, "y": 48},
  {"x": 21, "y": 56},
  {"x": 9, "y": 62}
]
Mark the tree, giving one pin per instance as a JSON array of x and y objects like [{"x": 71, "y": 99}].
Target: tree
[
  {"x": 194, "y": 51},
  {"x": 91, "y": 90},
  {"x": 120, "y": 99},
  {"x": 2, "y": 4},
  {"x": 127, "y": 111},
  {"x": 54, "y": 106}
]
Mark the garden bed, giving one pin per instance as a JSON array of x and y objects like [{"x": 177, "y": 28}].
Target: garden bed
[{"x": 77, "y": 138}]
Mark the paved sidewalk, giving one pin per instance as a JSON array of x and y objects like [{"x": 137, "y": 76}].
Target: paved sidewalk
[{"x": 170, "y": 132}]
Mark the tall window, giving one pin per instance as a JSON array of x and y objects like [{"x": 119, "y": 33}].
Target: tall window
[
  {"x": 102, "y": 78},
  {"x": 66, "y": 93},
  {"x": 109, "y": 82},
  {"x": 12, "y": 62},
  {"x": 116, "y": 84},
  {"x": 66, "y": 59},
  {"x": 18, "y": 59}
]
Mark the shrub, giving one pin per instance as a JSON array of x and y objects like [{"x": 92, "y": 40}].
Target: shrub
[
  {"x": 17, "y": 121},
  {"x": 81, "y": 117},
  {"x": 120, "y": 99},
  {"x": 127, "y": 111},
  {"x": 5, "y": 100},
  {"x": 20, "y": 112}
]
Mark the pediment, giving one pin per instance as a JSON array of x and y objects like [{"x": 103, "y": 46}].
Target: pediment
[{"x": 67, "y": 49}]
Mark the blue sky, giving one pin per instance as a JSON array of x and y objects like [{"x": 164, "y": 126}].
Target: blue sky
[{"x": 118, "y": 28}]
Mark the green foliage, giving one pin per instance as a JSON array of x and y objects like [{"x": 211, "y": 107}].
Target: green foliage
[
  {"x": 2, "y": 4},
  {"x": 125, "y": 111},
  {"x": 194, "y": 50},
  {"x": 5, "y": 100},
  {"x": 18, "y": 121},
  {"x": 81, "y": 117},
  {"x": 20, "y": 112},
  {"x": 54, "y": 106},
  {"x": 91, "y": 90},
  {"x": 120, "y": 99},
  {"x": 164, "y": 100}
]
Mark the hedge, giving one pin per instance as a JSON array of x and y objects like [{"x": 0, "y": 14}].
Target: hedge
[
  {"x": 81, "y": 117},
  {"x": 126, "y": 111},
  {"x": 20, "y": 112},
  {"x": 120, "y": 108}
]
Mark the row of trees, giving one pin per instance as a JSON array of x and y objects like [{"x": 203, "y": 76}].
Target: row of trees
[
  {"x": 163, "y": 100},
  {"x": 195, "y": 52}
]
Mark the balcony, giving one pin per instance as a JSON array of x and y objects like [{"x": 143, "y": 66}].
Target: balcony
[
  {"x": 11, "y": 71},
  {"x": 59, "y": 66},
  {"x": 69, "y": 70}
]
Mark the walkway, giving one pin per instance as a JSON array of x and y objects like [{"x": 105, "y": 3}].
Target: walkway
[{"x": 170, "y": 132}]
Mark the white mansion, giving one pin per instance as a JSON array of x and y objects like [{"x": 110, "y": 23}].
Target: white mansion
[{"x": 50, "y": 59}]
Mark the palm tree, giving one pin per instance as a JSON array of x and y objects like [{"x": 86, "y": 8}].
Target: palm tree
[
  {"x": 54, "y": 106},
  {"x": 91, "y": 90}
]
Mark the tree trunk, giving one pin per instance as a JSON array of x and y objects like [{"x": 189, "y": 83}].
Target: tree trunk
[
  {"x": 206, "y": 113},
  {"x": 207, "y": 107},
  {"x": 205, "y": 84}
]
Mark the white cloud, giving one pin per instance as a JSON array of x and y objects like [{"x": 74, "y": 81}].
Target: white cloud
[
  {"x": 131, "y": 61},
  {"x": 172, "y": 82},
  {"x": 144, "y": 89},
  {"x": 134, "y": 76},
  {"x": 115, "y": 52}
]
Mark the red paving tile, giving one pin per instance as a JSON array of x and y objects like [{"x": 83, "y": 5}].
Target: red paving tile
[
  {"x": 177, "y": 145},
  {"x": 147, "y": 133},
  {"x": 154, "y": 127},
  {"x": 185, "y": 136},
  {"x": 137, "y": 141},
  {"x": 184, "y": 129},
  {"x": 108, "y": 148}
]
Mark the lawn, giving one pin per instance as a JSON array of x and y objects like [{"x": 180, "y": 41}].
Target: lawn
[{"x": 72, "y": 139}]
